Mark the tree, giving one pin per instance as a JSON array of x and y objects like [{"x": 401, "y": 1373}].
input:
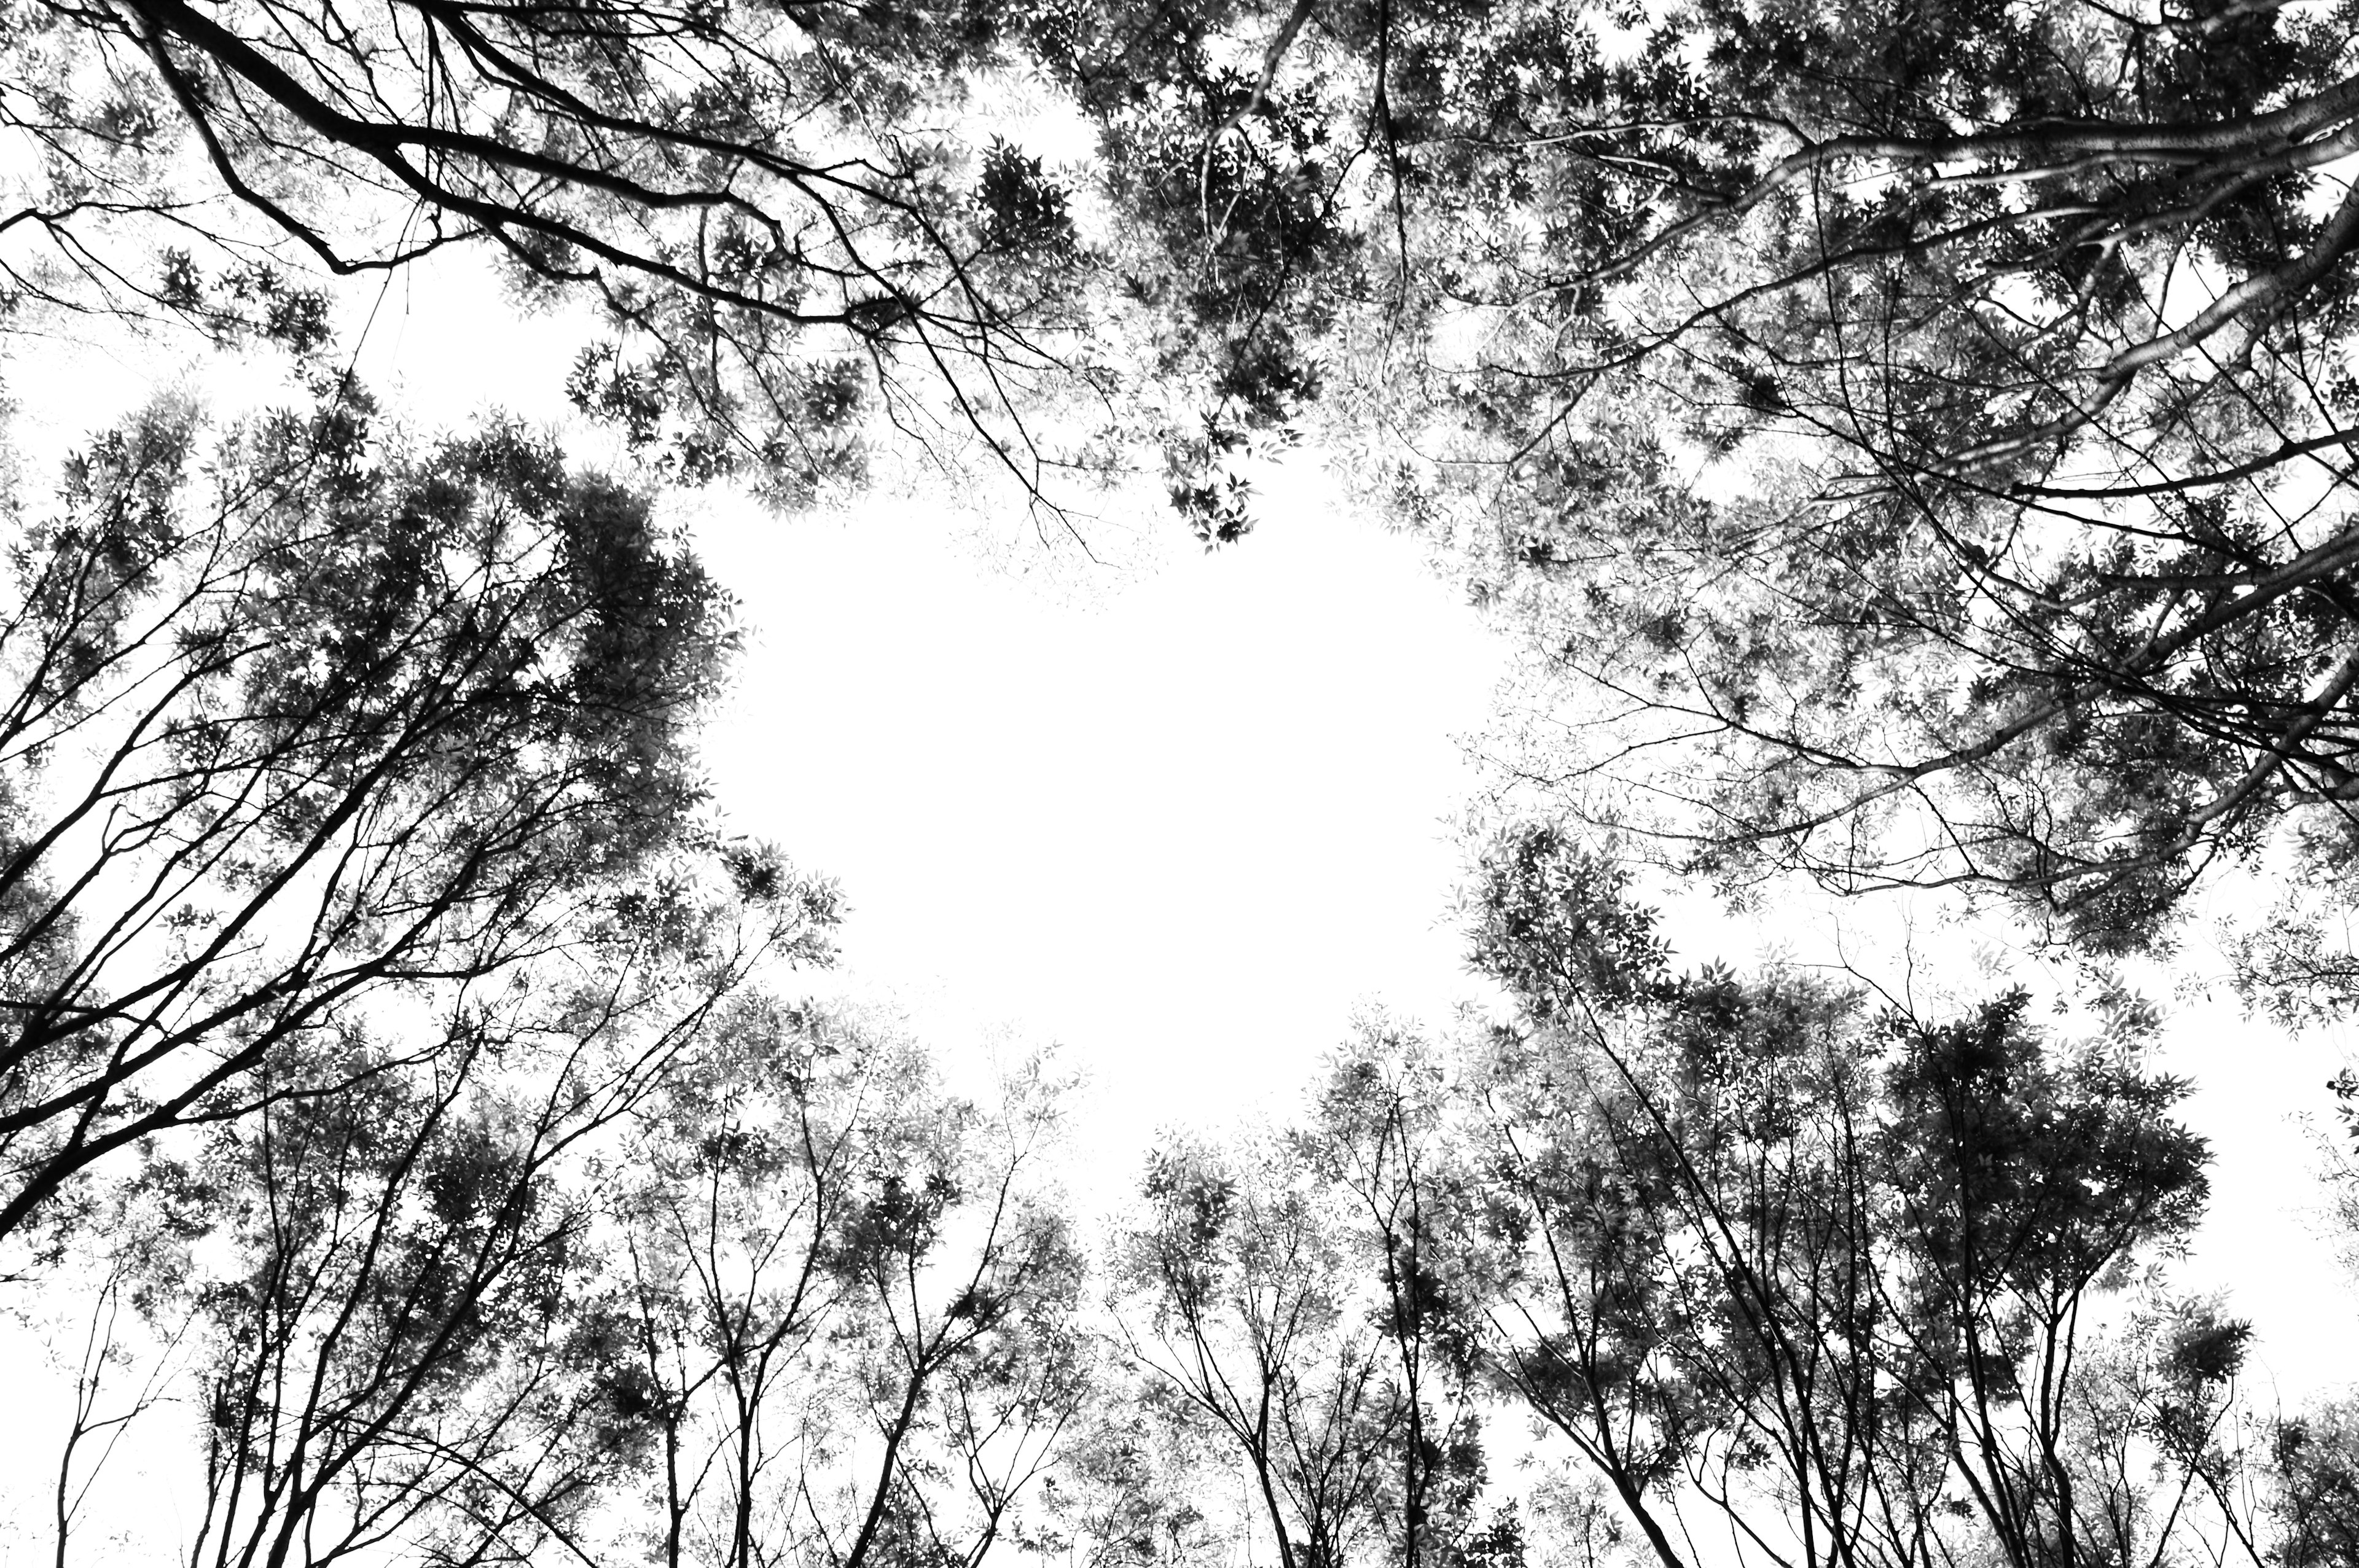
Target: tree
[
  {"x": 1909, "y": 439},
  {"x": 383, "y": 1296},
  {"x": 2319, "y": 1498},
  {"x": 579, "y": 1286},
  {"x": 1242, "y": 1312},
  {"x": 841, "y": 1305},
  {"x": 1836, "y": 1278},
  {"x": 1784, "y": 1278},
  {"x": 325, "y": 726},
  {"x": 1129, "y": 1493},
  {"x": 793, "y": 220},
  {"x": 1379, "y": 1134}
]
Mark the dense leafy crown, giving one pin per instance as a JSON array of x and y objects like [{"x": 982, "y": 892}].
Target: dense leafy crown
[{"x": 1912, "y": 438}]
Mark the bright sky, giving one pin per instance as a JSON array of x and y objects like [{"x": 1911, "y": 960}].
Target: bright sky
[
  {"x": 1179, "y": 823},
  {"x": 1179, "y": 819},
  {"x": 1183, "y": 821},
  {"x": 1180, "y": 830}
]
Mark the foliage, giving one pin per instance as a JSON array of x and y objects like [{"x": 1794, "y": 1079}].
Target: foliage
[
  {"x": 316, "y": 723},
  {"x": 769, "y": 205},
  {"x": 1380, "y": 1134},
  {"x": 839, "y": 1302},
  {"x": 637, "y": 1257},
  {"x": 1909, "y": 443},
  {"x": 1237, "y": 1301},
  {"x": 1839, "y": 1277},
  {"x": 1781, "y": 1277},
  {"x": 2320, "y": 1501},
  {"x": 1906, "y": 439}
]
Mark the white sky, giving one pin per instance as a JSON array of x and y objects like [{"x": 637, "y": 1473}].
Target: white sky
[
  {"x": 1179, "y": 821},
  {"x": 1183, "y": 822},
  {"x": 1181, "y": 831}
]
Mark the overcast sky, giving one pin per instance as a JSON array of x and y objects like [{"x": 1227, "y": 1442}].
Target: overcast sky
[
  {"x": 1178, "y": 817},
  {"x": 1181, "y": 821},
  {"x": 1184, "y": 828},
  {"x": 1181, "y": 827}
]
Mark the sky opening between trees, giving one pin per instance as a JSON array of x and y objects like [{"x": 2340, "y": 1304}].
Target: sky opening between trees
[{"x": 1906, "y": 448}]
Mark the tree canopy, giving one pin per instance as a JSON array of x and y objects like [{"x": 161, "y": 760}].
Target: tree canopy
[
  {"x": 768, "y": 205},
  {"x": 1907, "y": 443},
  {"x": 315, "y": 724},
  {"x": 1910, "y": 439}
]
